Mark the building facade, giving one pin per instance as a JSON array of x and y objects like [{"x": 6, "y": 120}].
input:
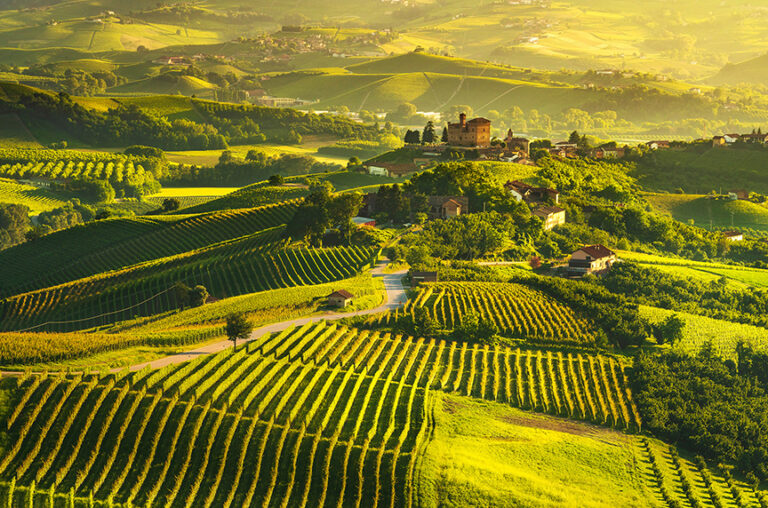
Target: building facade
[{"x": 472, "y": 133}]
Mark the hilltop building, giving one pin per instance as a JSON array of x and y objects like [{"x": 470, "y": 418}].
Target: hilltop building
[
  {"x": 516, "y": 143},
  {"x": 472, "y": 133},
  {"x": 591, "y": 259}
]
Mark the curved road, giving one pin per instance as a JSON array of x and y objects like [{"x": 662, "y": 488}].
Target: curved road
[{"x": 395, "y": 297}]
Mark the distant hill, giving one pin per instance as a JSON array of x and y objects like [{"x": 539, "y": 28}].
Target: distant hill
[
  {"x": 752, "y": 71},
  {"x": 169, "y": 83}
]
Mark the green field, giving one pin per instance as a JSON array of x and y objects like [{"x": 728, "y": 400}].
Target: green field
[
  {"x": 706, "y": 212},
  {"x": 740, "y": 276},
  {"x": 700, "y": 331}
]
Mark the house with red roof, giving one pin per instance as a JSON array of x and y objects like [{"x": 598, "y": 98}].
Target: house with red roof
[{"x": 591, "y": 259}]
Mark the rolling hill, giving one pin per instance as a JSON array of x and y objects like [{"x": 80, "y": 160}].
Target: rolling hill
[{"x": 754, "y": 71}]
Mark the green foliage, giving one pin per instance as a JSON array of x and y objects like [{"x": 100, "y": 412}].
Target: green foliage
[
  {"x": 649, "y": 286},
  {"x": 670, "y": 330},
  {"x": 696, "y": 400},
  {"x": 14, "y": 222},
  {"x": 238, "y": 327},
  {"x": 473, "y": 329}
]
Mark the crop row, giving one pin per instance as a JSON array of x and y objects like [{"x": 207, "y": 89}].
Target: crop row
[
  {"x": 212, "y": 434},
  {"x": 246, "y": 266},
  {"x": 133, "y": 241},
  {"x": 516, "y": 310}
]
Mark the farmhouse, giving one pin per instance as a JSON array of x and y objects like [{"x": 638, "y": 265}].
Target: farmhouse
[
  {"x": 733, "y": 236},
  {"x": 551, "y": 215},
  {"x": 391, "y": 169},
  {"x": 658, "y": 145},
  {"x": 443, "y": 207},
  {"x": 474, "y": 133},
  {"x": 591, "y": 259},
  {"x": 340, "y": 298},
  {"x": 521, "y": 191},
  {"x": 363, "y": 221}
]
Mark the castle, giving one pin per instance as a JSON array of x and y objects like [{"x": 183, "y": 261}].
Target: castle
[{"x": 474, "y": 133}]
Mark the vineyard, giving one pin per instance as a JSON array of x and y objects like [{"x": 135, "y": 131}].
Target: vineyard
[
  {"x": 112, "y": 244},
  {"x": 38, "y": 200},
  {"x": 322, "y": 414},
  {"x": 311, "y": 433},
  {"x": 246, "y": 265},
  {"x": 676, "y": 481},
  {"x": 517, "y": 311}
]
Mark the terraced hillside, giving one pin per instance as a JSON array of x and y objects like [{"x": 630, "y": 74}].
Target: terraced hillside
[
  {"x": 516, "y": 310},
  {"x": 246, "y": 265},
  {"x": 112, "y": 244},
  {"x": 321, "y": 414}
]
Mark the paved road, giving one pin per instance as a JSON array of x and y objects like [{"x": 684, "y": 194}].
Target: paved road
[{"x": 395, "y": 297}]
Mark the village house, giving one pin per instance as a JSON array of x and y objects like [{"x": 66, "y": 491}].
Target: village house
[
  {"x": 658, "y": 145},
  {"x": 516, "y": 143},
  {"x": 444, "y": 207},
  {"x": 733, "y": 236},
  {"x": 594, "y": 259},
  {"x": 521, "y": 191},
  {"x": 391, "y": 169},
  {"x": 738, "y": 194},
  {"x": 552, "y": 216},
  {"x": 608, "y": 151},
  {"x": 472, "y": 133},
  {"x": 419, "y": 277},
  {"x": 340, "y": 299}
]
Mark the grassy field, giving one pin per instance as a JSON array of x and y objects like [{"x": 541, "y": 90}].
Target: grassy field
[
  {"x": 699, "y": 331},
  {"x": 740, "y": 276},
  {"x": 211, "y": 157},
  {"x": 705, "y": 212},
  {"x": 487, "y": 454}
]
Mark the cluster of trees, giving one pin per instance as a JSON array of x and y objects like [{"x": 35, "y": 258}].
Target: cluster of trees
[
  {"x": 617, "y": 316},
  {"x": 428, "y": 136},
  {"x": 648, "y": 286},
  {"x": 255, "y": 167},
  {"x": 715, "y": 408},
  {"x": 323, "y": 210},
  {"x": 16, "y": 226},
  {"x": 74, "y": 82},
  {"x": 243, "y": 124},
  {"x": 117, "y": 126}
]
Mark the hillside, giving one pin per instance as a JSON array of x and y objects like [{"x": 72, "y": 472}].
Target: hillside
[
  {"x": 705, "y": 211},
  {"x": 333, "y": 422},
  {"x": 753, "y": 71}
]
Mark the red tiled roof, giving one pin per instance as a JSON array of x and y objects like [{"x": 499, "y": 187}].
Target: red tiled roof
[
  {"x": 598, "y": 251},
  {"x": 341, "y": 293}
]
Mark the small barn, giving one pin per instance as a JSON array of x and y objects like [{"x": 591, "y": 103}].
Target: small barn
[
  {"x": 340, "y": 298},
  {"x": 419, "y": 277}
]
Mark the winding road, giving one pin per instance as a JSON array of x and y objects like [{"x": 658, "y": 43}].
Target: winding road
[{"x": 395, "y": 297}]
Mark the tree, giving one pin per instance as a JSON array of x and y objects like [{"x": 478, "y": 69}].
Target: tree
[
  {"x": 198, "y": 296},
  {"x": 574, "y": 138},
  {"x": 276, "y": 180},
  {"x": 238, "y": 328},
  {"x": 341, "y": 209},
  {"x": 412, "y": 137},
  {"x": 428, "y": 136},
  {"x": 170, "y": 204},
  {"x": 354, "y": 162},
  {"x": 474, "y": 329},
  {"x": 14, "y": 222},
  {"x": 670, "y": 330},
  {"x": 226, "y": 157},
  {"x": 444, "y": 137}
]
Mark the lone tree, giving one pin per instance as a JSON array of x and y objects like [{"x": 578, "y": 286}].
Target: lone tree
[
  {"x": 276, "y": 180},
  {"x": 238, "y": 328},
  {"x": 170, "y": 204}
]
